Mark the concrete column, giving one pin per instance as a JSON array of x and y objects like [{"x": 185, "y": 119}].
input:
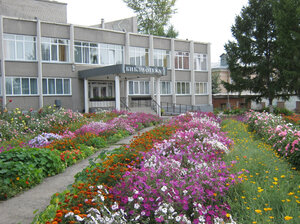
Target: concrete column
[
  {"x": 173, "y": 75},
  {"x": 209, "y": 75},
  {"x": 40, "y": 64},
  {"x": 151, "y": 57},
  {"x": 3, "y": 87},
  {"x": 127, "y": 48},
  {"x": 86, "y": 95},
  {"x": 72, "y": 58},
  {"x": 158, "y": 95},
  {"x": 117, "y": 93},
  {"x": 126, "y": 93},
  {"x": 192, "y": 72}
]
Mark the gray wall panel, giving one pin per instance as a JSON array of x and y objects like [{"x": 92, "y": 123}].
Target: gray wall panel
[
  {"x": 24, "y": 103},
  {"x": 183, "y": 76},
  {"x": 160, "y": 43},
  {"x": 201, "y": 100},
  {"x": 182, "y": 45},
  {"x": 139, "y": 41},
  {"x": 201, "y": 77},
  {"x": 54, "y": 30},
  {"x": 200, "y": 48},
  {"x": 21, "y": 69},
  {"x": 19, "y": 27},
  {"x": 58, "y": 70},
  {"x": 186, "y": 100}
]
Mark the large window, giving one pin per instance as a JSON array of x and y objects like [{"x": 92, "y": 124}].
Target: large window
[
  {"x": 139, "y": 56},
  {"x": 139, "y": 87},
  {"x": 161, "y": 58},
  {"x": 165, "y": 88},
  {"x": 21, "y": 86},
  {"x": 19, "y": 47},
  {"x": 182, "y": 60},
  {"x": 111, "y": 54},
  {"x": 86, "y": 53},
  {"x": 183, "y": 88},
  {"x": 55, "y": 50},
  {"x": 200, "y": 62},
  {"x": 201, "y": 88},
  {"x": 56, "y": 86}
]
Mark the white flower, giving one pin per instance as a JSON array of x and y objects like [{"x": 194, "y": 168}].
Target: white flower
[
  {"x": 130, "y": 199},
  {"x": 143, "y": 213},
  {"x": 164, "y": 188},
  {"x": 185, "y": 192},
  {"x": 114, "y": 206},
  {"x": 141, "y": 198},
  {"x": 171, "y": 209},
  {"x": 100, "y": 187},
  {"x": 164, "y": 210},
  {"x": 136, "y": 206},
  {"x": 78, "y": 218},
  {"x": 69, "y": 214},
  {"x": 135, "y": 191},
  {"x": 178, "y": 218}
]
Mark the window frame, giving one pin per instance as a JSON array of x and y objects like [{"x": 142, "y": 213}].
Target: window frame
[
  {"x": 137, "y": 53},
  {"x": 201, "y": 57},
  {"x": 16, "y": 41},
  {"x": 21, "y": 86},
  {"x": 54, "y": 43},
  {"x": 55, "y": 85},
  {"x": 137, "y": 83},
  {"x": 159, "y": 55},
  {"x": 161, "y": 88},
  {"x": 205, "y": 87},
  {"x": 181, "y": 88},
  {"x": 118, "y": 51},
  {"x": 83, "y": 47},
  {"x": 179, "y": 60}
]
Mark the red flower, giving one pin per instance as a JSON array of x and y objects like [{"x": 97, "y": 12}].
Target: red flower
[{"x": 10, "y": 101}]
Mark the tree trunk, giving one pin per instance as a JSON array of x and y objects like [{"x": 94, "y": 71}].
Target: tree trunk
[{"x": 271, "y": 105}]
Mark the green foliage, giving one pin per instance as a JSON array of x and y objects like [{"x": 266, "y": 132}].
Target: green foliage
[
  {"x": 278, "y": 111},
  {"x": 287, "y": 19},
  {"x": 153, "y": 16},
  {"x": 215, "y": 83},
  {"x": 252, "y": 57},
  {"x": 269, "y": 189},
  {"x": 23, "y": 168}
]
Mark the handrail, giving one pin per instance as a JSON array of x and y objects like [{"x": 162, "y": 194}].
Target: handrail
[
  {"x": 155, "y": 105},
  {"x": 124, "y": 103},
  {"x": 172, "y": 108}
]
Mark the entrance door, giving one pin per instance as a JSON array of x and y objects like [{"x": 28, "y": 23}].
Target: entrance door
[{"x": 101, "y": 90}]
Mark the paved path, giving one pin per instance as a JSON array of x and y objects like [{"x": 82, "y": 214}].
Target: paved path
[{"x": 19, "y": 210}]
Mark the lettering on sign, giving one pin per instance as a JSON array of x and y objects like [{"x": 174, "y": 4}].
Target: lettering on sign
[{"x": 145, "y": 70}]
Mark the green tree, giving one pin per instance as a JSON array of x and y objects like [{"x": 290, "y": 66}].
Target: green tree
[
  {"x": 287, "y": 20},
  {"x": 215, "y": 82},
  {"x": 251, "y": 58},
  {"x": 153, "y": 16}
]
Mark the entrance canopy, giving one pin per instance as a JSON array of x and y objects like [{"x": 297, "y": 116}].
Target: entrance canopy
[{"x": 129, "y": 71}]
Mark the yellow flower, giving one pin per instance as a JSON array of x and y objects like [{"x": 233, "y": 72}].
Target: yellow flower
[
  {"x": 271, "y": 217},
  {"x": 283, "y": 200},
  {"x": 282, "y": 176},
  {"x": 258, "y": 211},
  {"x": 275, "y": 178},
  {"x": 288, "y": 218},
  {"x": 268, "y": 209},
  {"x": 288, "y": 200},
  {"x": 254, "y": 222},
  {"x": 243, "y": 197},
  {"x": 247, "y": 208},
  {"x": 275, "y": 183},
  {"x": 291, "y": 193},
  {"x": 228, "y": 215},
  {"x": 18, "y": 178}
]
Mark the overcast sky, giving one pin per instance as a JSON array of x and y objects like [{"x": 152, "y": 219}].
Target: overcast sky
[{"x": 198, "y": 20}]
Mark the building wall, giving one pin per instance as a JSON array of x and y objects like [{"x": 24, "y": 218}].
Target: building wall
[
  {"x": 30, "y": 9},
  {"x": 75, "y": 101}
]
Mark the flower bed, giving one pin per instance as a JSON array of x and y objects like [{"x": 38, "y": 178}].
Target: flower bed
[
  {"x": 182, "y": 179},
  {"x": 283, "y": 136},
  {"x": 63, "y": 147}
]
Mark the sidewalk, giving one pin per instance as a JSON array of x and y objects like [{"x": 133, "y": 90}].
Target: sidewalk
[{"x": 19, "y": 210}]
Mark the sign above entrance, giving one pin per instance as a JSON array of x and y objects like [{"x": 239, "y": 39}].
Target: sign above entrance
[
  {"x": 145, "y": 70},
  {"x": 123, "y": 69}
]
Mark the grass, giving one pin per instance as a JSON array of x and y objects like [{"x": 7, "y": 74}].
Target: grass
[{"x": 269, "y": 191}]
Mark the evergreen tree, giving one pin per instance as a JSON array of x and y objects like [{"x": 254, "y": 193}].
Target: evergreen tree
[
  {"x": 251, "y": 58},
  {"x": 153, "y": 16},
  {"x": 287, "y": 20},
  {"x": 215, "y": 83}
]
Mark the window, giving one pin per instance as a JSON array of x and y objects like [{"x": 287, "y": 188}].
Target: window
[
  {"x": 139, "y": 56},
  {"x": 19, "y": 47},
  {"x": 139, "y": 87},
  {"x": 55, "y": 50},
  {"x": 165, "y": 88},
  {"x": 111, "y": 54},
  {"x": 183, "y": 88},
  {"x": 21, "y": 86},
  {"x": 56, "y": 86},
  {"x": 182, "y": 60},
  {"x": 201, "y": 88},
  {"x": 161, "y": 58},
  {"x": 200, "y": 62},
  {"x": 86, "y": 53}
]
